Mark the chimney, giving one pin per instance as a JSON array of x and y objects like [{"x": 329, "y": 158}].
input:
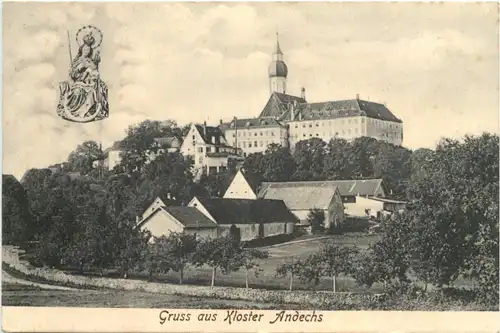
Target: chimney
[
  {"x": 303, "y": 93},
  {"x": 220, "y": 121},
  {"x": 357, "y": 97},
  {"x": 205, "y": 129}
]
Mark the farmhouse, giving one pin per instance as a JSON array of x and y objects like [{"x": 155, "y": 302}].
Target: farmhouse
[
  {"x": 350, "y": 191},
  {"x": 243, "y": 186},
  {"x": 157, "y": 203},
  {"x": 301, "y": 197},
  {"x": 247, "y": 219},
  {"x": 376, "y": 207},
  {"x": 165, "y": 220}
]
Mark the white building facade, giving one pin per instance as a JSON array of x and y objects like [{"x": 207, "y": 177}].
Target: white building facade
[
  {"x": 287, "y": 119},
  {"x": 208, "y": 148}
]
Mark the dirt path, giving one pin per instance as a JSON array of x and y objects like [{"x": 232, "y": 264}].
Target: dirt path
[{"x": 6, "y": 277}]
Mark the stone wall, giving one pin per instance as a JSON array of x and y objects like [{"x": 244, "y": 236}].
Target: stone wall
[{"x": 340, "y": 300}]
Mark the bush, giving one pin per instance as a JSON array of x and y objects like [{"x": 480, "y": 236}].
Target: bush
[{"x": 316, "y": 219}]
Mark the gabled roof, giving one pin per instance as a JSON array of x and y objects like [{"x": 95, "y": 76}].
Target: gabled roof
[
  {"x": 390, "y": 201},
  {"x": 169, "y": 141},
  {"x": 254, "y": 180},
  {"x": 251, "y": 123},
  {"x": 246, "y": 211},
  {"x": 302, "y": 198},
  {"x": 277, "y": 105},
  {"x": 363, "y": 187},
  {"x": 189, "y": 217},
  {"x": 339, "y": 109},
  {"x": 211, "y": 132}
]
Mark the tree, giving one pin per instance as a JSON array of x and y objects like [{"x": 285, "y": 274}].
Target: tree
[
  {"x": 309, "y": 157},
  {"x": 249, "y": 257},
  {"x": 316, "y": 219},
  {"x": 215, "y": 185},
  {"x": 391, "y": 163},
  {"x": 336, "y": 260},
  {"x": 222, "y": 253},
  {"x": 82, "y": 158},
  {"x": 391, "y": 254},
  {"x": 292, "y": 269},
  {"x": 336, "y": 161},
  {"x": 89, "y": 246},
  {"x": 139, "y": 143},
  {"x": 180, "y": 248},
  {"x": 38, "y": 184},
  {"x": 253, "y": 163},
  {"x": 17, "y": 223},
  {"x": 455, "y": 210},
  {"x": 310, "y": 270},
  {"x": 277, "y": 164},
  {"x": 362, "y": 152},
  {"x": 169, "y": 174},
  {"x": 56, "y": 238}
]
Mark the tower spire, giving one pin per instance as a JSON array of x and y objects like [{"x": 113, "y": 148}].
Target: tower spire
[
  {"x": 278, "y": 49},
  {"x": 278, "y": 70}
]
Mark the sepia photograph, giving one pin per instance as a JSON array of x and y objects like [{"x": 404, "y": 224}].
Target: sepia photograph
[{"x": 301, "y": 158}]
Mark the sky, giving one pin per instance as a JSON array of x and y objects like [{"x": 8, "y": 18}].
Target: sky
[{"x": 435, "y": 65}]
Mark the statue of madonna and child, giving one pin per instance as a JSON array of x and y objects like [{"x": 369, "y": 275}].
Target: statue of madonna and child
[{"x": 84, "y": 96}]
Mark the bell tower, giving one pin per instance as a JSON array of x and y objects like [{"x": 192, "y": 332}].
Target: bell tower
[{"x": 277, "y": 71}]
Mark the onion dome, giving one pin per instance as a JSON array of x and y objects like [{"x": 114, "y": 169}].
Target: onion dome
[{"x": 278, "y": 66}]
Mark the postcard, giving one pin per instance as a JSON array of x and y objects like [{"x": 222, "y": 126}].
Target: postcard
[{"x": 244, "y": 167}]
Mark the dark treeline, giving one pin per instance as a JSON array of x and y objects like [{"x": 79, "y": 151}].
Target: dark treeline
[{"x": 88, "y": 221}]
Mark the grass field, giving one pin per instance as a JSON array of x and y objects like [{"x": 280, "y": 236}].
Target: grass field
[
  {"x": 266, "y": 278},
  {"x": 23, "y": 295}
]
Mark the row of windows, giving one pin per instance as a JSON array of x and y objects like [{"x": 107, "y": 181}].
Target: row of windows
[
  {"x": 251, "y": 144},
  {"x": 322, "y": 123},
  {"x": 210, "y": 150},
  {"x": 344, "y": 132},
  {"x": 261, "y": 133},
  {"x": 329, "y": 123}
]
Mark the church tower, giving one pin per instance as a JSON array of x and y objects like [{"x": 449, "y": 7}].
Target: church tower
[{"x": 278, "y": 71}]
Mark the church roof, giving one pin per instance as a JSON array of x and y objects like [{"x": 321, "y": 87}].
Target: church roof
[
  {"x": 339, "y": 109},
  {"x": 277, "y": 105}
]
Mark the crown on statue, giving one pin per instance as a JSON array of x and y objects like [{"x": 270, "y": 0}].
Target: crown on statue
[{"x": 89, "y": 39}]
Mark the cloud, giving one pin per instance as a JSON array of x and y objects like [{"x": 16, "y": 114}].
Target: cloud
[{"x": 436, "y": 65}]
